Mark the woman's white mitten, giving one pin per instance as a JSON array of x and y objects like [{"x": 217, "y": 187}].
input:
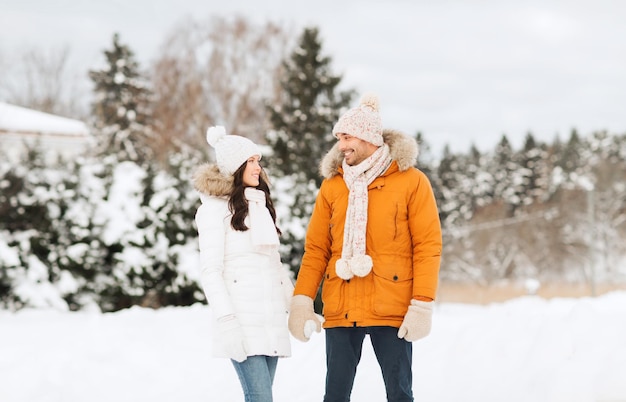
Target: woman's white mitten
[{"x": 231, "y": 334}]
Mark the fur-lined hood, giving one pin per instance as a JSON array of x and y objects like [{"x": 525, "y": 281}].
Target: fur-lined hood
[
  {"x": 208, "y": 180},
  {"x": 402, "y": 148}
]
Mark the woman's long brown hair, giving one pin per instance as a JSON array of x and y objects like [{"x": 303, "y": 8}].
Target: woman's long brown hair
[{"x": 238, "y": 205}]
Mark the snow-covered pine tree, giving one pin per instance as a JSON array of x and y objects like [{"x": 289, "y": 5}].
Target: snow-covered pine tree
[
  {"x": 169, "y": 234},
  {"x": 33, "y": 202},
  {"x": 302, "y": 122},
  {"x": 476, "y": 187},
  {"x": 570, "y": 155},
  {"x": 121, "y": 109},
  {"x": 448, "y": 181},
  {"x": 502, "y": 168},
  {"x": 531, "y": 179}
]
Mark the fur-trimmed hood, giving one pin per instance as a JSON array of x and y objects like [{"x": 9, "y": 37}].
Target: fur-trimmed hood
[
  {"x": 208, "y": 180},
  {"x": 402, "y": 148}
]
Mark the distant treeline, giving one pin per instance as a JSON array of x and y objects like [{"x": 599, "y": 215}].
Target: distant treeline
[{"x": 552, "y": 212}]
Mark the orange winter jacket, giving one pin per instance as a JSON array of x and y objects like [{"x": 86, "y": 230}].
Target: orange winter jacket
[{"x": 403, "y": 238}]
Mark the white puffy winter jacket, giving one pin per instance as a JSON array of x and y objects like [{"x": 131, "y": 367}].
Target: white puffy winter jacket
[{"x": 237, "y": 278}]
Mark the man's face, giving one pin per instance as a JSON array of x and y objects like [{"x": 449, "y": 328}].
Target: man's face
[{"x": 354, "y": 149}]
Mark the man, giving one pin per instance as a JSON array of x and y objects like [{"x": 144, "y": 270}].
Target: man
[{"x": 374, "y": 238}]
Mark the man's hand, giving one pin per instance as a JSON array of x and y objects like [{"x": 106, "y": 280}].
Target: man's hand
[
  {"x": 417, "y": 321},
  {"x": 302, "y": 318}
]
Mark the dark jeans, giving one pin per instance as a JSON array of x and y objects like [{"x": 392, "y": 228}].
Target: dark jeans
[{"x": 343, "y": 353}]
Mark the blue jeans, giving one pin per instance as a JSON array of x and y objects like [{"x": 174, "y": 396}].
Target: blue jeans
[
  {"x": 256, "y": 375},
  {"x": 343, "y": 353}
]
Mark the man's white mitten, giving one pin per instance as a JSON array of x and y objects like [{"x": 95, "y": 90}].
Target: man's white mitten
[
  {"x": 231, "y": 335},
  {"x": 417, "y": 321},
  {"x": 302, "y": 318}
]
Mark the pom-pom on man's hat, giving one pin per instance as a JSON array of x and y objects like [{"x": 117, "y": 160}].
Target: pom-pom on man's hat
[
  {"x": 231, "y": 151},
  {"x": 362, "y": 121}
]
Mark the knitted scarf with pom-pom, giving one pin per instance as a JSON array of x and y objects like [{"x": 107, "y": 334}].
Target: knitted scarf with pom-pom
[{"x": 353, "y": 259}]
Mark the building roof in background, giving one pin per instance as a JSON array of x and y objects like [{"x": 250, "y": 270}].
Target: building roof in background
[{"x": 22, "y": 120}]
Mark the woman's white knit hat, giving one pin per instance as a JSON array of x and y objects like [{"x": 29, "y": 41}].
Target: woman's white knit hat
[
  {"x": 362, "y": 121},
  {"x": 231, "y": 151}
]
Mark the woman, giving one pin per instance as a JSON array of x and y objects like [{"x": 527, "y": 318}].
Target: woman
[{"x": 246, "y": 286}]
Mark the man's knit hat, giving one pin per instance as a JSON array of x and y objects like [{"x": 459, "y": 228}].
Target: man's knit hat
[
  {"x": 231, "y": 151},
  {"x": 362, "y": 121}
]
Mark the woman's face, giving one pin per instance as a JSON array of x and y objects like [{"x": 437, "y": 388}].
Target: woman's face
[{"x": 252, "y": 171}]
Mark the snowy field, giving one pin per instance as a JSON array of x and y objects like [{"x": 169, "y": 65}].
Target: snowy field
[{"x": 526, "y": 349}]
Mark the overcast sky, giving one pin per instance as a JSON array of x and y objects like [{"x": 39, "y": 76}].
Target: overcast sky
[{"x": 461, "y": 72}]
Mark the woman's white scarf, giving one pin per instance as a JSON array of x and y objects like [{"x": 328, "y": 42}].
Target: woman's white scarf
[
  {"x": 353, "y": 259},
  {"x": 262, "y": 226}
]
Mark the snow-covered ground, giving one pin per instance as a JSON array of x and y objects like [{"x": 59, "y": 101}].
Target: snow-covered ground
[{"x": 526, "y": 349}]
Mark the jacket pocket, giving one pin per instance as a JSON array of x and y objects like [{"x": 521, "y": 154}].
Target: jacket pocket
[
  {"x": 392, "y": 293},
  {"x": 333, "y": 290}
]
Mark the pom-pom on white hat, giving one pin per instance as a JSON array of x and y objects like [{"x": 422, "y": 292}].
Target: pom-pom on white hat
[
  {"x": 231, "y": 151},
  {"x": 362, "y": 121}
]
